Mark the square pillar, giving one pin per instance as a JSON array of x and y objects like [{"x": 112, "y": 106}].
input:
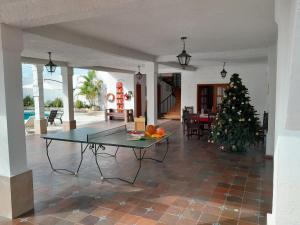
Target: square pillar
[
  {"x": 40, "y": 123},
  {"x": 151, "y": 70},
  {"x": 16, "y": 187},
  {"x": 68, "y": 118},
  {"x": 271, "y": 101}
]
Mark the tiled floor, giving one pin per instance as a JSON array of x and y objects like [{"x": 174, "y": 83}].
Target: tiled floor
[{"x": 196, "y": 184}]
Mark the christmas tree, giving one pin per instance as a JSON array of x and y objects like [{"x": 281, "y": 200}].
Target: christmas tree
[{"x": 236, "y": 125}]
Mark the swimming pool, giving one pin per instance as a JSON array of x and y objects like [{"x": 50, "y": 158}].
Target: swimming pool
[{"x": 28, "y": 114}]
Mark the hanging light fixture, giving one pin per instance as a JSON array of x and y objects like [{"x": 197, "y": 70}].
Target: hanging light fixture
[
  {"x": 223, "y": 72},
  {"x": 184, "y": 58},
  {"x": 139, "y": 75},
  {"x": 50, "y": 66}
]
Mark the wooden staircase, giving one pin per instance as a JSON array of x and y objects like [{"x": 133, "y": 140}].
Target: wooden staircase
[{"x": 174, "y": 112}]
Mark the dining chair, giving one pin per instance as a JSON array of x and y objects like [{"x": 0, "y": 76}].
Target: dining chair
[
  {"x": 193, "y": 125},
  {"x": 190, "y": 109}
]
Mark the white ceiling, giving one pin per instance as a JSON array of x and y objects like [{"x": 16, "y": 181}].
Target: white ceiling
[
  {"x": 155, "y": 27},
  {"x": 123, "y": 33}
]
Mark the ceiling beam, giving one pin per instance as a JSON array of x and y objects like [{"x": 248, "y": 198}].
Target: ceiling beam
[
  {"x": 176, "y": 65},
  {"x": 69, "y": 37},
  {"x": 106, "y": 69},
  {"x": 30, "y": 60}
]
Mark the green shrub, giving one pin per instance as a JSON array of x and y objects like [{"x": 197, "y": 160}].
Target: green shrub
[
  {"x": 79, "y": 104},
  {"x": 48, "y": 103},
  {"x": 58, "y": 103},
  {"x": 28, "y": 101}
]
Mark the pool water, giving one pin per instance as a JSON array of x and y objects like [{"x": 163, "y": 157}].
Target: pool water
[{"x": 28, "y": 114}]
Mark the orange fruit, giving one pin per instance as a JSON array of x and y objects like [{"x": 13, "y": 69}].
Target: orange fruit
[
  {"x": 160, "y": 131},
  {"x": 150, "y": 129}
]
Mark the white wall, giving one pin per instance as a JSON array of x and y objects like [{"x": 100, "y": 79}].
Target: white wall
[
  {"x": 110, "y": 80},
  {"x": 254, "y": 76},
  {"x": 286, "y": 184}
]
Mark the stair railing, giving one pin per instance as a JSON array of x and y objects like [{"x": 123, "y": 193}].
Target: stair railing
[
  {"x": 166, "y": 104},
  {"x": 170, "y": 101}
]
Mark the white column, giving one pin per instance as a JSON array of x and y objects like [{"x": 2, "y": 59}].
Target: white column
[
  {"x": 15, "y": 178},
  {"x": 286, "y": 177},
  {"x": 40, "y": 123},
  {"x": 68, "y": 118},
  {"x": 151, "y": 70},
  {"x": 271, "y": 101}
]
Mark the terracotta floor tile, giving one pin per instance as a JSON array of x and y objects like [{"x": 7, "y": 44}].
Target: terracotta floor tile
[
  {"x": 189, "y": 186},
  {"x": 89, "y": 220},
  {"x": 144, "y": 221},
  {"x": 169, "y": 219},
  {"x": 191, "y": 214},
  {"x": 198, "y": 206},
  {"x": 76, "y": 216},
  {"x": 231, "y": 213},
  {"x": 226, "y": 221},
  {"x": 212, "y": 210},
  {"x": 186, "y": 222},
  {"x": 209, "y": 218},
  {"x": 180, "y": 202},
  {"x": 115, "y": 215},
  {"x": 246, "y": 223},
  {"x": 128, "y": 219},
  {"x": 100, "y": 211},
  {"x": 174, "y": 210}
]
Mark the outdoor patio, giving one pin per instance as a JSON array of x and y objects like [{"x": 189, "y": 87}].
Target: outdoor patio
[{"x": 195, "y": 185}]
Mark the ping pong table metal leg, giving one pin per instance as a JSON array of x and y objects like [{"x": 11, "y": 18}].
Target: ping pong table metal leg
[
  {"x": 133, "y": 149},
  {"x": 105, "y": 153},
  {"x": 137, "y": 172},
  {"x": 96, "y": 159},
  {"x": 165, "y": 154},
  {"x": 82, "y": 151},
  {"x": 58, "y": 170}
]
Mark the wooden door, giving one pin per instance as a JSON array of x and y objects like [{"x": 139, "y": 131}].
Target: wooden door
[{"x": 138, "y": 100}]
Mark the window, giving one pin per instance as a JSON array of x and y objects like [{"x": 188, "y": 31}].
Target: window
[{"x": 209, "y": 97}]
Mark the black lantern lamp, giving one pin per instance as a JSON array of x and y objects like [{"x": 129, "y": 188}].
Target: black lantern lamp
[
  {"x": 184, "y": 58},
  {"x": 139, "y": 75},
  {"x": 223, "y": 72},
  {"x": 50, "y": 66}
]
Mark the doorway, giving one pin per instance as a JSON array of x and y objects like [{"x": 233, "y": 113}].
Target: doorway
[{"x": 138, "y": 100}]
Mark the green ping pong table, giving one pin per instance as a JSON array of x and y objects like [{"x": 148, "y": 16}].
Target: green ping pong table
[{"x": 96, "y": 140}]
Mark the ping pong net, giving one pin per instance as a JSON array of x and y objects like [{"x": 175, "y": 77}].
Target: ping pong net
[{"x": 104, "y": 133}]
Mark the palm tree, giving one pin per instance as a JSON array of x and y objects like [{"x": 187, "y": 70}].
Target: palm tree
[{"x": 91, "y": 87}]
